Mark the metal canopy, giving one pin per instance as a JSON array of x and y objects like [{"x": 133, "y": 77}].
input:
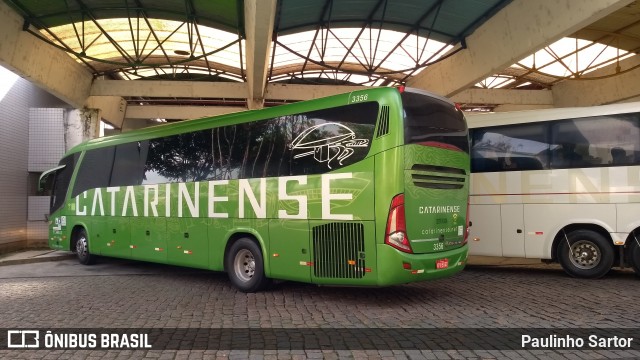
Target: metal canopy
[
  {"x": 368, "y": 42},
  {"x": 221, "y": 14},
  {"x": 379, "y": 42},
  {"x": 364, "y": 42}
]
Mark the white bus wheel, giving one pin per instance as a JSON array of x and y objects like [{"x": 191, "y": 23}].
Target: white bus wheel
[
  {"x": 585, "y": 254},
  {"x": 245, "y": 266}
]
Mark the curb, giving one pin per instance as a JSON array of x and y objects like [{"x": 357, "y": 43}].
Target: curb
[{"x": 36, "y": 259}]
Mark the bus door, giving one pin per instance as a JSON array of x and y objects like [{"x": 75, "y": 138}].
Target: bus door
[
  {"x": 512, "y": 216},
  {"x": 289, "y": 254}
]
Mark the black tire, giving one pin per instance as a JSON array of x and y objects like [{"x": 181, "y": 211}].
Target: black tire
[
  {"x": 634, "y": 255},
  {"x": 585, "y": 254},
  {"x": 81, "y": 248},
  {"x": 245, "y": 266}
]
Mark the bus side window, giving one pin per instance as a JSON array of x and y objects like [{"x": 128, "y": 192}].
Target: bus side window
[
  {"x": 128, "y": 163},
  {"x": 95, "y": 170}
]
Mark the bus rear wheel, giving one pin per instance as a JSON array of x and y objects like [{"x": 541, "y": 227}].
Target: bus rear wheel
[
  {"x": 585, "y": 254},
  {"x": 245, "y": 266},
  {"x": 82, "y": 248},
  {"x": 634, "y": 255}
]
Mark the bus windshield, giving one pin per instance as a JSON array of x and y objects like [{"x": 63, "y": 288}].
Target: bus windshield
[
  {"x": 434, "y": 122},
  {"x": 61, "y": 181}
]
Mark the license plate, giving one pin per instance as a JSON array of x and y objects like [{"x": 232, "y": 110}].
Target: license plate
[{"x": 442, "y": 263}]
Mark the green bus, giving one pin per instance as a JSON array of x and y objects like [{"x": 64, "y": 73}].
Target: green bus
[{"x": 367, "y": 188}]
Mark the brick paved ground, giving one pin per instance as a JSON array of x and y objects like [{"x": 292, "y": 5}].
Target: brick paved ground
[{"x": 124, "y": 294}]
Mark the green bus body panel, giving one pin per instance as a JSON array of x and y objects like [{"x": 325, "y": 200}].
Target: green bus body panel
[
  {"x": 436, "y": 217},
  {"x": 117, "y": 241},
  {"x": 324, "y": 228},
  {"x": 188, "y": 242},
  {"x": 149, "y": 239},
  {"x": 289, "y": 250}
]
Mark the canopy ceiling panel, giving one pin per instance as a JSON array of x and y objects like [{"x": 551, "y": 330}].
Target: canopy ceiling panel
[
  {"x": 365, "y": 42},
  {"x": 221, "y": 14},
  {"x": 379, "y": 42}
]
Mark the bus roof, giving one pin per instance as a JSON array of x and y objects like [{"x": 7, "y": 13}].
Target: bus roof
[{"x": 532, "y": 116}]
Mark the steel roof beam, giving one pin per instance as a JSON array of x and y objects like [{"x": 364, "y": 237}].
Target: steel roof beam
[
  {"x": 169, "y": 88},
  {"x": 177, "y": 112},
  {"x": 498, "y": 43},
  {"x": 259, "y": 18},
  {"x": 598, "y": 88},
  {"x": 504, "y": 96}
]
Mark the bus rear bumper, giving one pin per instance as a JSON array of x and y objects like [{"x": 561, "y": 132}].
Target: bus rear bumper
[{"x": 422, "y": 267}]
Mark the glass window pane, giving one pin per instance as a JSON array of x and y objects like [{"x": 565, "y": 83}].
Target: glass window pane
[
  {"x": 95, "y": 170},
  {"x": 596, "y": 141},
  {"x": 510, "y": 148},
  {"x": 128, "y": 164},
  {"x": 164, "y": 161},
  {"x": 61, "y": 181},
  {"x": 431, "y": 120},
  {"x": 329, "y": 139}
]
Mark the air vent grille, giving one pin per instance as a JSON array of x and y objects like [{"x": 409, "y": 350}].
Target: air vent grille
[
  {"x": 438, "y": 177},
  {"x": 383, "y": 124},
  {"x": 338, "y": 251}
]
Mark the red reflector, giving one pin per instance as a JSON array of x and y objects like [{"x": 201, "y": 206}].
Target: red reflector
[
  {"x": 367, "y": 269},
  {"x": 401, "y": 89},
  {"x": 406, "y": 265},
  {"x": 539, "y": 232},
  {"x": 442, "y": 263}
]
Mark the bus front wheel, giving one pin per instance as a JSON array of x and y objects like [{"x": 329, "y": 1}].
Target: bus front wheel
[
  {"x": 634, "y": 255},
  {"x": 82, "y": 248},
  {"x": 245, "y": 265},
  {"x": 585, "y": 254}
]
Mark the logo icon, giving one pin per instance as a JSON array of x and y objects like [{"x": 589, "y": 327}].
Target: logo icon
[{"x": 21, "y": 339}]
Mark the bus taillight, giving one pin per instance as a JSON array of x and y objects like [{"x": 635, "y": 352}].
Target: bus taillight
[{"x": 396, "y": 234}]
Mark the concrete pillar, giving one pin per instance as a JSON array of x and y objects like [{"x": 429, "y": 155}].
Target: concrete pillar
[
  {"x": 80, "y": 125},
  {"x": 112, "y": 108},
  {"x": 259, "y": 17}
]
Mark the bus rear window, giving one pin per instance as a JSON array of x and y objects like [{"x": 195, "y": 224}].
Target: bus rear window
[{"x": 431, "y": 121}]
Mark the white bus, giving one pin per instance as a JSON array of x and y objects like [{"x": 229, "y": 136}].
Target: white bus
[{"x": 559, "y": 185}]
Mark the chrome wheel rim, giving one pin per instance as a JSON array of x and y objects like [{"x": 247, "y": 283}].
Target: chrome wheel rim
[
  {"x": 81, "y": 247},
  {"x": 244, "y": 265},
  {"x": 585, "y": 254}
]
